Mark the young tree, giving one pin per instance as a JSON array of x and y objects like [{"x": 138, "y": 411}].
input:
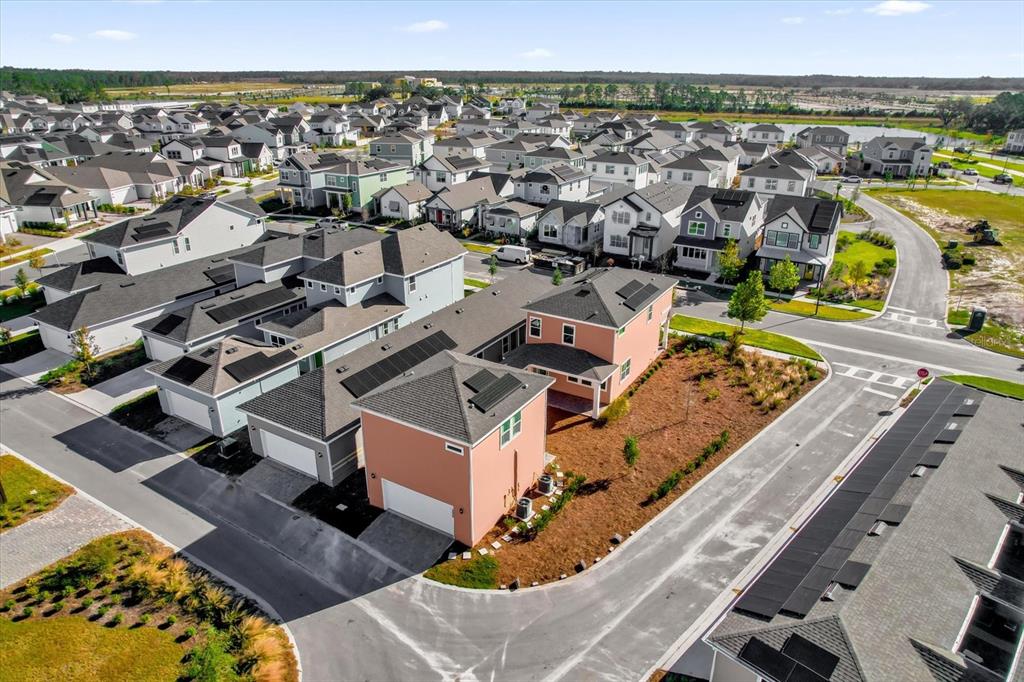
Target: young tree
[
  {"x": 84, "y": 349},
  {"x": 346, "y": 203},
  {"x": 783, "y": 276},
  {"x": 492, "y": 267},
  {"x": 631, "y": 451},
  {"x": 839, "y": 186},
  {"x": 729, "y": 262},
  {"x": 556, "y": 276},
  {"x": 859, "y": 272},
  {"x": 37, "y": 262},
  {"x": 747, "y": 303},
  {"x": 5, "y": 336},
  {"x": 21, "y": 281}
]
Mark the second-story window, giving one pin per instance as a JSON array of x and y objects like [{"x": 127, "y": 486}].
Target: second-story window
[
  {"x": 568, "y": 334},
  {"x": 696, "y": 228},
  {"x": 412, "y": 284},
  {"x": 535, "y": 327},
  {"x": 188, "y": 245}
]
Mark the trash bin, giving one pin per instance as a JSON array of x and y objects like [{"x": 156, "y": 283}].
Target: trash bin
[{"x": 978, "y": 316}]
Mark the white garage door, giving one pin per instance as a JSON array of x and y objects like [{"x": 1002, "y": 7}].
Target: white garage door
[
  {"x": 418, "y": 507},
  {"x": 285, "y": 451},
  {"x": 188, "y": 409}
]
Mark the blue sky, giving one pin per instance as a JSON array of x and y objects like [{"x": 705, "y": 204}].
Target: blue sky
[{"x": 891, "y": 37}]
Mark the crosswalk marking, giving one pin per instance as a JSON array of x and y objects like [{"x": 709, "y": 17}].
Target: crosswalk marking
[
  {"x": 902, "y": 310},
  {"x": 912, "y": 319},
  {"x": 881, "y": 393},
  {"x": 871, "y": 376}
]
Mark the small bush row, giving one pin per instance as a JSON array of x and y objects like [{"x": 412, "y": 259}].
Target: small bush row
[
  {"x": 117, "y": 208},
  {"x": 877, "y": 238},
  {"x": 541, "y": 520}
]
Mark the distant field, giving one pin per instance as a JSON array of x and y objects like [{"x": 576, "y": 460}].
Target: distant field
[
  {"x": 203, "y": 88},
  {"x": 913, "y": 122}
]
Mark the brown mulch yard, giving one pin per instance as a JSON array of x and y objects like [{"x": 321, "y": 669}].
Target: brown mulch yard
[{"x": 674, "y": 415}]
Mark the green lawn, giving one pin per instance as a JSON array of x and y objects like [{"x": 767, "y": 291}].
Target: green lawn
[
  {"x": 825, "y": 311},
  {"x": 480, "y": 572},
  {"x": 478, "y": 283},
  {"x": 751, "y": 337},
  {"x": 29, "y": 492},
  {"x": 1001, "y": 163},
  {"x": 22, "y": 257},
  {"x": 1003, "y": 211},
  {"x": 72, "y": 648},
  {"x": 141, "y": 413},
  {"x": 15, "y": 308},
  {"x": 479, "y": 248},
  {"x": 862, "y": 249},
  {"x": 1010, "y": 389},
  {"x": 868, "y": 304},
  {"x": 993, "y": 336}
]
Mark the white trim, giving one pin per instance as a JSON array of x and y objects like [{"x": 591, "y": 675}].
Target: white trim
[
  {"x": 454, "y": 449},
  {"x": 573, "y": 328}
]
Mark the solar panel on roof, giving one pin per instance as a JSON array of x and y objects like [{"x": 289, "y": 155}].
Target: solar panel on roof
[
  {"x": 767, "y": 660},
  {"x": 246, "y": 306},
  {"x": 852, "y": 573},
  {"x": 640, "y": 298},
  {"x": 168, "y": 324},
  {"x": 256, "y": 364},
  {"x": 186, "y": 370},
  {"x": 495, "y": 392},
  {"x": 386, "y": 369},
  {"x": 805, "y": 652},
  {"x": 629, "y": 289},
  {"x": 480, "y": 380}
]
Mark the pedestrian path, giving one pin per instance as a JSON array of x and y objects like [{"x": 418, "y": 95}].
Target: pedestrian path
[
  {"x": 913, "y": 319},
  {"x": 893, "y": 381},
  {"x": 45, "y": 539}
]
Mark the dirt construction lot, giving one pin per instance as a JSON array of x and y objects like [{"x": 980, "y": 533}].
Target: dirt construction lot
[{"x": 680, "y": 409}]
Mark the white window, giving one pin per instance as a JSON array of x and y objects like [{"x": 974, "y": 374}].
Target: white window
[
  {"x": 624, "y": 370},
  {"x": 351, "y": 290},
  {"x": 511, "y": 427},
  {"x": 569, "y": 334},
  {"x": 309, "y": 285},
  {"x": 727, "y": 230},
  {"x": 551, "y": 231},
  {"x": 692, "y": 253},
  {"x": 687, "y": 177},
  {"x": 412, "y": 284},
  {"x": 380, "y": 280},
  {"x": 771, "y": 184},
  {"x": 813, "y": 240},
  {"x": 618, "y": 241},
  {"x": 698, "y": 215},
  {"x": 337, "y": 290},
  {"x": 323, "y": 287},
  {"x": 650, "y": 312},
  {"x": 696, "y": 228},
  {"x": 188, "y": 245},
  {"x": 456, "y": 449},
  {"x": 791, "y": 186},
  {"x": 174, "y": 245},
  {"x": 571, "y": 379},
  {"x": 750, "y": 183},
  {"x": 535, "y": 327},
  {"x": 120, "y": 258}
]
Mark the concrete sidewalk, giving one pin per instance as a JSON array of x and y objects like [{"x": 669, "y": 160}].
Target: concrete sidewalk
[{"x": 106, "y": 395}]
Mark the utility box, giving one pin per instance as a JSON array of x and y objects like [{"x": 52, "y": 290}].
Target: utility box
[
  {"x": 227, "y": 448},
  {"x": 524, "y": 509},
  {"x": 546, "y": 484},
  {"x": 978, "y": 316}
]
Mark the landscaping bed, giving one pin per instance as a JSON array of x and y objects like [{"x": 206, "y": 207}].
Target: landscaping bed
[
  {"x": 751, "y": 337},
  {"x": 29, "y": 492},
  {"x": 993, "y": 336},
  {"x": 995, "y": 279},
  {"x": 20, "y": 346},
  {"x": 862, "y": 270},
  {"x": 13, "y": 305},
  {"x": 687, "y": 414},
  {"x": 71, "y": 377},
  {"x": 822, "y": 311},
  {"x": 141, "y": 413},
  {"x": 126, "y": 607}
]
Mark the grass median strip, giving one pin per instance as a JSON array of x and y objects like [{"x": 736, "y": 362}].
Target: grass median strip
[
  {"x": 479, "y": 248},
  {"x": 751, "y": 337},
  {"x": 478, "y": 283},
  {"x": 480, "y": 572},
  {"x": 1010, "y": 389},
  {"x": 29, "y": 492},
  {"x": 823, "y": 312}
]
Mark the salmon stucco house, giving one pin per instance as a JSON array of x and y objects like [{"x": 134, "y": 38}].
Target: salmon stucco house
[
  {"x": 597, "y": 335},
  {"x": 455, "y": 442}
]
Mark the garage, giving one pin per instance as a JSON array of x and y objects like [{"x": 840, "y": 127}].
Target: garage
[
  {"x": 285, "y": 451},
  {"x": 418, "y": 507},
  {"x": 188, "y": 409}
]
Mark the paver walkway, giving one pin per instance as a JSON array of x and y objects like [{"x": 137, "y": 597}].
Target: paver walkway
[{"x": 38, "y": 543}]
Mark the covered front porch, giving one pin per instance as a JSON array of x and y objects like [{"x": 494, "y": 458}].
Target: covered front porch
[
  {"x": 581, "y": 378},
  {"x": 810, "y": 266}
]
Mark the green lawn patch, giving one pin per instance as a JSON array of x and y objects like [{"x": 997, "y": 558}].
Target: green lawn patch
[
  {"x": 71, "y": 378},
  {"x": 824, "y": 312},
  {"x": 14, "y": 308},
  {"x": 868, "y": 304},
  {"x": 751, "y": 337},
  {"x": 141, "y": 413},
  {"x": 29, "y": 492},
  {"x": 993, "y": 336},
  {"x": 862, "y": 249},
  {"x": 478, "y": 283},
  {"x": 22, "y": 257},
  {"x": 479, "y": 248},
  {"x": 21, "y": 346},
  {"x": 1009, "y": 389},
  {"x": 480, "y": 572},
  {"x": 72, "y": 648}
]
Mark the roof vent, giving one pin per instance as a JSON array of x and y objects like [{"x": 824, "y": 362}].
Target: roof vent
[
  {"x": 231, "y": 350},
  {"x": 918, "y": 472},
  {"x": 459, "y": 311},
  {"x": 878, "y": 528},
  {"x": 830, "y": 592},
  {"x": 428, "y": 325},
  {"x": 386, "y": 346},
  {"x": 127, "y": 284},
  {"x": 342, "y": 369}
]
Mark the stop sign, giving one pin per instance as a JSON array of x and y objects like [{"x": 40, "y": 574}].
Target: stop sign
[{"x": 922, "y": 373}]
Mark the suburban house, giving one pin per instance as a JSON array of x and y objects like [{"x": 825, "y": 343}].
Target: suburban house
[
  {"x": 643, "y": 224},
  {"x": 180, "y": 230},
  {"x": 407, "y": 147},
  {"x": 766, "y": 133},
  {"x": 513, "y": 219},
  {"x": 371, "y": 287},
  {"x": 548, "y": 183},
  {"x": 829, "y": 137},
  {"x": 803, "y": 229},
  {"x": 899, "y": 156},
  {"x": 1014, "y": 142},
  {"x": 438, "y": 172},
  {"x": 826, "y": 161},
  {"x": 406, "y": 201},
  {"x": 692, "y": 171},
  {"x": 726, "y": 158},
  {"x": 310, "y": 179},
  {"x": 717, "y": 131},
  {"x": 711, "y": 219},
  {"x": 554, "y": 155},
  {"x": 40, "y": 198},
  {"x": 620, "y": 167},
  {"x": 595, "y": 335},
  {"x": 751, "y": 152},
  {"x": 151, "y": 173},
  {"x": 456, "y": 207},
  {"x": 474, "y": 144},
  {"x": 8, "y": 211},
  {"x": 574, "y": 225},
  {"x": 512, "y": 153},
  {"x": 910, "y": 570},
  {"x": 469, "y": 126},
  {"x": 772, "y": 177}
]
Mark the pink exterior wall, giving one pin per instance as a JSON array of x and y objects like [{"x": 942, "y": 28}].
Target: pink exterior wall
[
  {"x": 417, "y": 460},
  {"x": 639, "y": 342},
  {"x": 597, "y": 340},
  {"x": 502, "y": 475},
  {"x": 562, "y": 385}
]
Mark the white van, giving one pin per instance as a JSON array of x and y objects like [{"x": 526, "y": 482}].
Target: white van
[{"x": 514, "y": 254}]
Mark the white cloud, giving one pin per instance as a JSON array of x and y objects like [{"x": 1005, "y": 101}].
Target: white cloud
[
  {"x": 839, "y": 12},
  {"x": 61, "y": 38},
  {"x": 114, "y": 34},
  {"x": 792, "y": 20},
  {"x": 897, "y": 8},
  {"x": 427, "y": 26},
  {"x": 537, "y": 53}
]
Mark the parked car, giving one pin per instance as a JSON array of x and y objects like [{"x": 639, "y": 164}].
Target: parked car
[
  {"x": 852, "y": 179},
  {"x": 960, "y": 150},
  {"x": 970, "y": 171},
  {"x": 331, "y": 222},
  {"x": 514, "y": 254},
  {"x": 945, "y": 164},
  {"x": 1003, "y": 179}
]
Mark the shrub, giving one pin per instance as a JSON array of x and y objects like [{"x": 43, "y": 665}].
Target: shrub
[
  {"x": 144, "y": 619},
  {"x": 172, "y": 619},
  {"x": 9, "y": 604},
  {"x": 117, "y": 619},
  {"x": 27, "y": 611},
  {"x": 631, "y": 451},
  {"x": 666, "y": 486},
  {"x": 87, "y": 602},
  {"x": 843, "y": 242},
  {"x": 712, "y": 393},
  {"x": 968, "y": 259},
  {"x": 102, "y": 611},
  {"x": 952, "y": 260},
  {"x": 190, "y": 632},
  {"x": 616, "y": 409},
  {"x": 211, "y": 661}
]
